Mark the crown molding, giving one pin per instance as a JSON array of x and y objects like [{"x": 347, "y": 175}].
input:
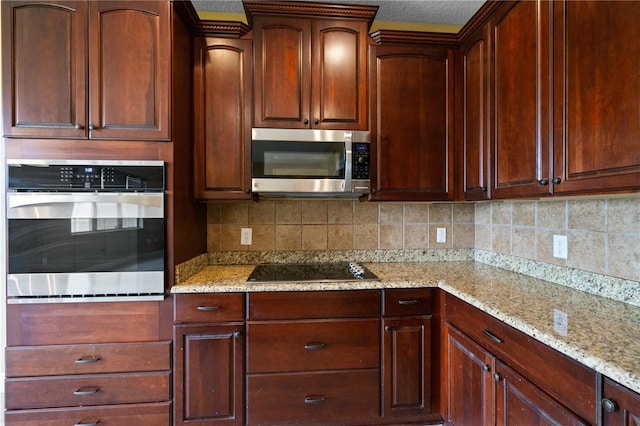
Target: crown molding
[{"x": 396, "y": 36}]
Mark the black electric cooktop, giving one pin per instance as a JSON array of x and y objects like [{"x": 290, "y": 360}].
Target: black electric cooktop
[{"x": 310, "y": 272}]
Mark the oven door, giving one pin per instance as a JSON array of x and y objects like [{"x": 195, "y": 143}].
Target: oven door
[{"x": 94, "y": 246}]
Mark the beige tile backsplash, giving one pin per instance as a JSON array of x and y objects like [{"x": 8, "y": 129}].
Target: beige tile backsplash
[{"x": 603, "y": 234}]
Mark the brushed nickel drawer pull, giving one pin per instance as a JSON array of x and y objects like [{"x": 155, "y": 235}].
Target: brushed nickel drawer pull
[
  {"x": 492, "y": 336},
  {"x": 408, "y": 302},
  {"x": 86, "y": 391},
  {"x": 87, "y": 423},
  {"x": 208, "y": 308},
  {"x": 313, "y": 399},
  {"x": 87, "y": 360},
  {"x": 314, "y": 345}
]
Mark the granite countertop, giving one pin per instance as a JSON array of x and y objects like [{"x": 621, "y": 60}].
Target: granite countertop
[{"x": 601, "y": 333}]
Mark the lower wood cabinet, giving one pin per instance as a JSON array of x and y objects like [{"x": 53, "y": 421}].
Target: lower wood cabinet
[{"x": 620, "y": 406}]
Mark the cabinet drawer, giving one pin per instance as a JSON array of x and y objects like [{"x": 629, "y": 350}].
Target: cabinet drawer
[
  {"x": 114, "y": 415},
  {"x": 566, "y": 380},
  {"x": 194, "y": 308},
  {"x": 313, "y": 397},
  {"x": 97, "y": 389},
  {"x": 398, "y": 302},
  {"x": 87, "y": 359},
  {"x": 309, "y": 304},
  {"x": 313, "y": 345}
]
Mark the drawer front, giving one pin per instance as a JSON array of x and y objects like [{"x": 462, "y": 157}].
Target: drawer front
[
  {"x": 98, "y": 389},
  {"x": 198, "y": 308},
  {"x": 114, "y": 415},
  {"x": 87, "y": 359},
  {"x": 310, "y": 304},
  {"x": 398, "y": 302},
  {"x": 315, "y": 397},
  {"x": 313, "y": 345},
  {"x": 566, "y": 380}
]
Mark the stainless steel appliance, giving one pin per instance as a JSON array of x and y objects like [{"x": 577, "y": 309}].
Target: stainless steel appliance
[
  {"x": 85, "y": 231},
  {"x": 309, "y": 161},
  {"x": 310, "y": 272}
]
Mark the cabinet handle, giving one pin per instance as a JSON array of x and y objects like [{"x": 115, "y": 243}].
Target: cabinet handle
[
  {"x": 86, "y": 391},
  {"x": 483, "y": 188},
  {"x": 497, "y": 377},
  {"x": 313, "y": 399},
  {"x": 556, "y": 180},
  {"x": 492, "y": 336},
  {"x": 486, "y": 367},
  {"x": 87, "y": 360},
  {"x": 316, "y": 121},
  {"x": 87, "y": 423},
  {"x": 92, "y": 127},
  {"x": 208, "y": 308},
  {"x": 543, "y": 182},
  {"x": 388, "y": 328},
  {"x": 78, "y": 127},
  {"x": 306, "y": 121},
  {"x": 408, "y": 302},
  {"x": 237, "y": 334},
  {"x": 314, "y": 345},
  {"x": 609, "y": 405}
]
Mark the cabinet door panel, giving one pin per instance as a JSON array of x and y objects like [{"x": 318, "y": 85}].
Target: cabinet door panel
[
  {"x": 339, "y": 75},
  {"x": 283, "y": 70},
  {"x": 470, "y": 389},
  {"x": 209, "y": 375},
  {"x": 407, "y": 367},
  {"x": 129, "y": 68},
  {"x": 597, "y": 122},
  {"x": 520, "y": 402},
  {"x": 521, "y": 99},
  {"x": 413, "y": 108},
  {"x": 222, "y": 92},
  {"x": 626, "y": 408},
  {"x": 45, "y": 87}
]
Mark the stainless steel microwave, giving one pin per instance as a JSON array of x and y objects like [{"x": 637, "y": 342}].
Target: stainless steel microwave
[{"x": 310, "y": 161}]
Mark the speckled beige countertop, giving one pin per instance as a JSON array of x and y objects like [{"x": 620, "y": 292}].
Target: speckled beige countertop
[{"x": 601, "y": 333}]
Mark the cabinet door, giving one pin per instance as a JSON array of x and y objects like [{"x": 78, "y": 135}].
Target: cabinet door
[
  {"x": 209, "y": 375},
  {"x": 282, "y": 80},
  {"x": 412, "y": 100},
  {"x": 44, "y": 68},
  {"x": 520, "y": 402},
  {"x": 475, "y": 121},
  {"x": 597, "y": 87},
  {"x": 339, "y": 74},
  {"x": 470, "y": 388},
  {"x": 222, "y": 109},
  {"x": 129, "y": 67},
  {"x": 521, "y": 104},
  {"x": 620, "y": 406},
  {"x": 406, "y": 367}
]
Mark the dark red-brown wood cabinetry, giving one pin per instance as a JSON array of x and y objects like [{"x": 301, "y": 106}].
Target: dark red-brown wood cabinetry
[
  {"x": 412, "y": 122},
  {"x": 310, "y": 68},
  {"x": 97, "y": 70},
  {"x": 620, "y": 406},
  {"x": 222, "y": 117}
]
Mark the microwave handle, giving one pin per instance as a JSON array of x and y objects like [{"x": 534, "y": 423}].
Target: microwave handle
[
  {"x": 348, "y": 159},
  {"x": 90, "y": 205}
]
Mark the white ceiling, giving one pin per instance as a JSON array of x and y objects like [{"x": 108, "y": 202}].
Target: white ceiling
[{"x": 452, "y": 12}]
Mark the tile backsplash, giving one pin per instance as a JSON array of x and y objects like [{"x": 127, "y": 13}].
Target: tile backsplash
[{"x": 603, "y": 234}]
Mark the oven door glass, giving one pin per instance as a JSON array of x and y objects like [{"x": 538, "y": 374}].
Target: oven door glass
[{"x": 298, "y": 160}]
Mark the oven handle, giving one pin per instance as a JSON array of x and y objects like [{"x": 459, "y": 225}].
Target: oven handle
[{"x": 59, "y": 205}]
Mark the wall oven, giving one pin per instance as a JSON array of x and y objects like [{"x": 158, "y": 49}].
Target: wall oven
[
  {"x": 85, "y": 231},
  {"x": 310, "y": 161}
]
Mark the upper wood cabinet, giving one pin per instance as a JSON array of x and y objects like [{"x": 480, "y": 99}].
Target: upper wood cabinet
[
  {"x": 475, "y": 116},
  {"x": 521, "y": 102},
  {"x": 222, "y": 117},
  {"x": 310, "y": 69},
  {"x": 412, "y": 122},
  {"x": 97, "y": 70},
  {"x": 596, "y": 94}
]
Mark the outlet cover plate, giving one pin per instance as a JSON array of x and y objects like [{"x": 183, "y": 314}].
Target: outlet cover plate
[{"x": 560, "y": 246}]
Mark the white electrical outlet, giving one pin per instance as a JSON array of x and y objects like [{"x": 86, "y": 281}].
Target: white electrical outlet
[
  {"x": 245, "y": 236},
  {"x": 560, "y": 246},
  {"x": 441, "y": 235},
  {"x": 560, "y": 322}
]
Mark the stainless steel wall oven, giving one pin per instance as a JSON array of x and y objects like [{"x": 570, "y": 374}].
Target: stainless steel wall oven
[{"x": 85, "y": 231}]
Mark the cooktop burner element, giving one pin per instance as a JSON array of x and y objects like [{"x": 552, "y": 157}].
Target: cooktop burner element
[{"x": 310, "y": 272}]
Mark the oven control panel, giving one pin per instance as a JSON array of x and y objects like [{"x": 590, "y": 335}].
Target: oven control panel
[{"x": 361, "y": 160}]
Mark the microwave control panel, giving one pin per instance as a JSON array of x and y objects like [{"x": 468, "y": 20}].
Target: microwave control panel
[{"x": 361, "y": 160}]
